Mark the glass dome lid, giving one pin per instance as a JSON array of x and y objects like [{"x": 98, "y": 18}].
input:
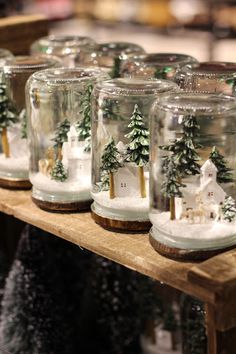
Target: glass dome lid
[
  {"x": 199, "y": 103},
  {"x": 132, "y": 86}
]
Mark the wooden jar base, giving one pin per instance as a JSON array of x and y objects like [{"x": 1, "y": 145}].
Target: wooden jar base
[
  {"x": 15, "y": 184},
  {"x": 121, "y": 226},
  {"x": 185, "y": 255},
  {"x": 62, "y": 207}
]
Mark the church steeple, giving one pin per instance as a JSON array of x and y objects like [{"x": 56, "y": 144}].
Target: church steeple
[
  {"x": 72, "y": 137},
  {"x": 209, "y": 171}
]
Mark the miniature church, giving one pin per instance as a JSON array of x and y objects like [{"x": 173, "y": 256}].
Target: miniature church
[
  {"x": 76, "y": 161},
  {"x": 209, "y": 193}
]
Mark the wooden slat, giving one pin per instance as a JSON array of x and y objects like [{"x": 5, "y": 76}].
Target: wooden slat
[
  {"x": 19, "y": 32},
  {"x": 131, "y": 250}
]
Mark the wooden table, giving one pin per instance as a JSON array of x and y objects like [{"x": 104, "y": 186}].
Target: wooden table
[{"x": 212, "y": 281}]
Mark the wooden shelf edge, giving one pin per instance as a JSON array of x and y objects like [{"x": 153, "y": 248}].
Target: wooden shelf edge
[{"x": 131, "y": 250}]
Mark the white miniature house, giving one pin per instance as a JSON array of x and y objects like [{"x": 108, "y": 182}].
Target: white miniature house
[
  {"x": 126, "y": 181},
  {"x": 76, "y": 161},
  {"x": 209, "y": 192}
]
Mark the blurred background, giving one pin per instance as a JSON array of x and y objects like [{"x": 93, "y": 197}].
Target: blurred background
[{"x": 205, "y": 29}]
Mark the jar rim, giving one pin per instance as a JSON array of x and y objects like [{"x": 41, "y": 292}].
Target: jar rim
[
  {"x": 64, "y": 75},
  {"x": 30, "y": 62},
  {"x": 163, "y": 59},
  {"x": 69, "y": 40},
  {"x": 135, "y": 86},
  {"x": 211, "y": 68},
  {"x": 195, "y": 102}
]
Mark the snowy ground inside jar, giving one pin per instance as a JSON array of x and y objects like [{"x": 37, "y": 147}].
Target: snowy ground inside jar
[
  {"x": 182, "y": 234},
  {"x": 48, "y": 189},
  {"x": 14, "y": 167},
  {"x": 125, "y": 208}
]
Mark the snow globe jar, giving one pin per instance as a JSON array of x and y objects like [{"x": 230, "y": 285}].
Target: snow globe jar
[
  {"x": 14, "y": 158},
  {"x": 109, "y": 56},
  {"x": 5, "y": 54},
  {"x": 65, "y": 47},
  {"x": 192, "y": 174},
  {"x": 208, "y": 77},
  {"x": 155, "y": 65},
  {"x": 59, "y": 111},
  {"x": 120, "y": 156}
]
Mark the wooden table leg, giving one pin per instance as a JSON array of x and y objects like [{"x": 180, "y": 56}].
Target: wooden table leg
[{"x": 219, "y": 342}]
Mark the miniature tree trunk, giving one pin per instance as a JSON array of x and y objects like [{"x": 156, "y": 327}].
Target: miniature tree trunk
[
  {"x": 172, "y": 208},
  {"x": 142, "y": 182},
  {"x": 59, "y": 153},
  {"x": 112, "y": 185},
  {"x": 5, "y": 143}
]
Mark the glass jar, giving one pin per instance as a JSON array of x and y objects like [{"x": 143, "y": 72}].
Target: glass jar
[
  {"x": 208, "y": 77},
  {"x": 109, "y": 56},
  {"x": 13, "y": 126},
  {"x": 65, "y": 47},
  {"x": 120, "y": 157},
  {"x": 192, "y": 161},
  {"x": 155, "y": 65},
  {"x": 59, "y": 111}
]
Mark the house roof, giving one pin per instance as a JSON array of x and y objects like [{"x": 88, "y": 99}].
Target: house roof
[{"x": 208, "y": 165}]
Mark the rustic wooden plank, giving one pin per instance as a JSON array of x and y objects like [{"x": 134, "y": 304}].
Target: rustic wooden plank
[
  {"x": 218, "y": 274},
  {"x": 130, "y": 250},
  {"x": 18, "y": 32}
]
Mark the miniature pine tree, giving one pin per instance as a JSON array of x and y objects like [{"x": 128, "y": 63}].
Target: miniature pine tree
[
  {"x": 61, "y": 136},
  {"x": 7, "y": 118},
  {"x": 84, "y": 127},
  {"x": 138, "y": 148},
  {"x": 171, "y": 185},
  {"x": 110, "y": 164},
  {"x": 115, "y": 72},
  {"x": 224, "y": 174},
  {"x": 184, "y": 148},
  {"x": 162, "y": 73},
  {"x": 23, "y": 119},
  {"x": 110, "y": 109},
  {"x": 58, "y": 172},
  {"x": 229, "y": 210}
]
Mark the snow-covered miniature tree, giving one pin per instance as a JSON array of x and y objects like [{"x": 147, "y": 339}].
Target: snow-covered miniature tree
[
  {"x": 58, "y": 172},
  {"x": 224, "y": 174},
  {"x": 229, "y": 210},
  {"x": 138, "y": 148},
  {"x": 111, "y": 110},
  {"x": 23, "y": 119},
  {"x": 115, "y": 72},
  {"x": 61, "y": 136},
  {"x": 110, "y": 164},
  {"x": 7, "y": 118},
  {"x": 162, "y": 73},
  {"x": 84, "y": 126},
  {"x": 184, "y": 148},
  {"x": 171, "y": 185}
]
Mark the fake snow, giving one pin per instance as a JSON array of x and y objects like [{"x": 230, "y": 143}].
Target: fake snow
[
  {"x": 79, "y": 190},
  {"x": 123, "y": 208},
  {"x": 182, "y": 233},
  {"x": 124, "y": 203},
  {"x": 14, "y": 165}
]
